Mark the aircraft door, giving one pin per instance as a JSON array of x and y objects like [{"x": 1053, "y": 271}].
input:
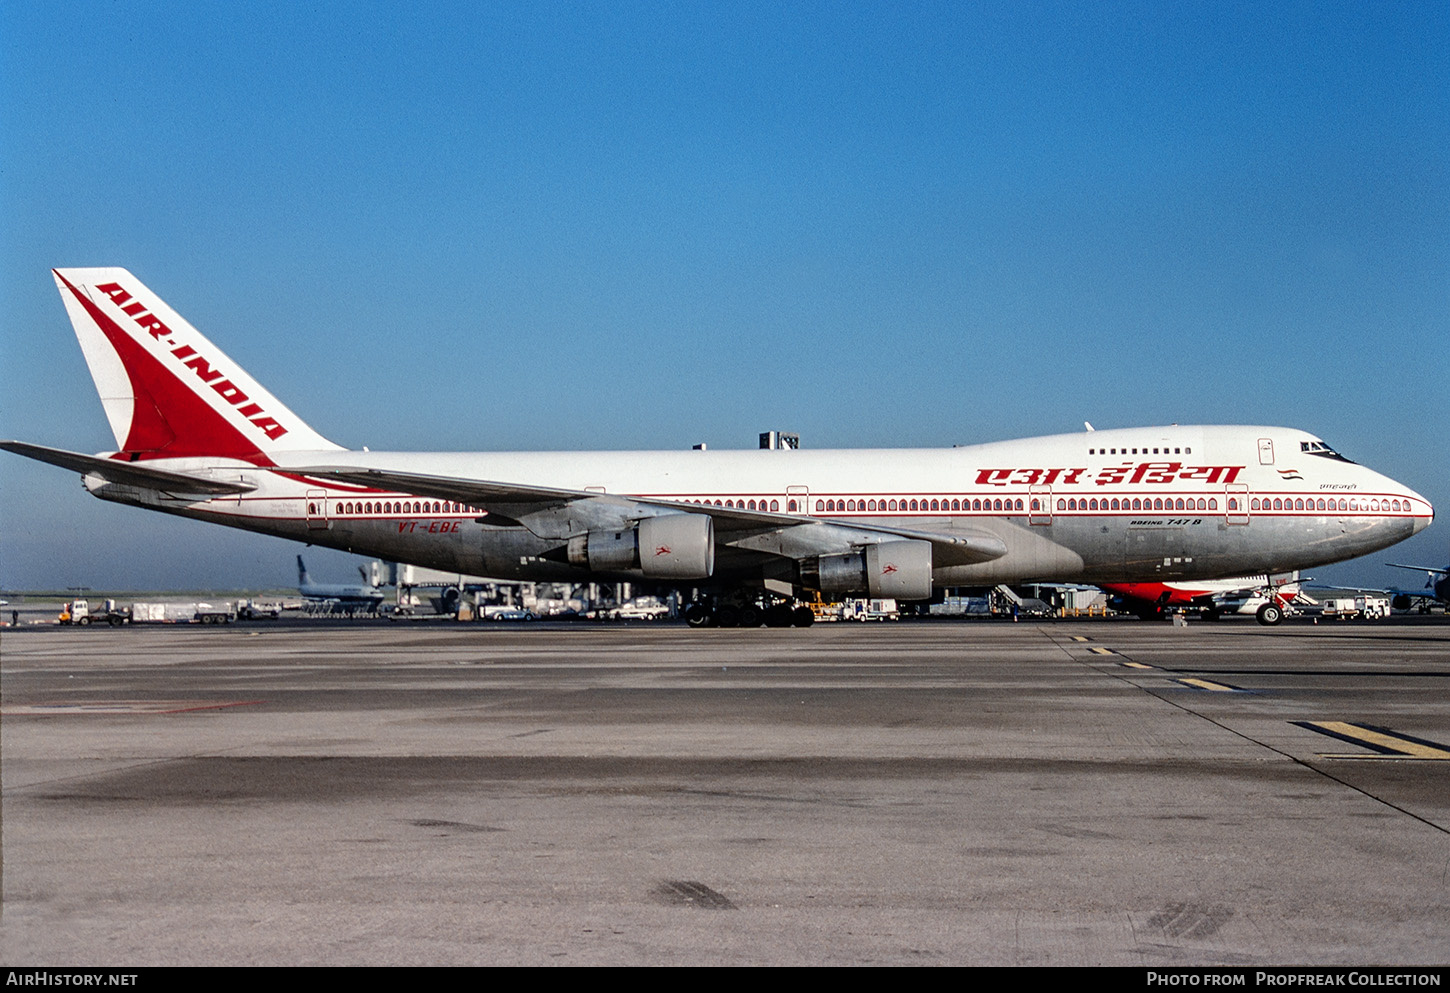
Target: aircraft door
[
  {"x": 1266, "y": 451},
  {"x": 1236, "y": 504},
  {"x": 1039, "y": 504},
  {"x": 797, "y": 499},
  {"x": 317, "y": 510}
]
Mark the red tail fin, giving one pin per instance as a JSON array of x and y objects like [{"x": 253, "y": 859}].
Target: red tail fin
[{"x": 168, "y": 391}]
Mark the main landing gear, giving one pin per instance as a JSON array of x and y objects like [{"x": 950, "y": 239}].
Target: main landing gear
[
  {"x": 1270, "y": 614},
  {"x": 740, "y": 613}
]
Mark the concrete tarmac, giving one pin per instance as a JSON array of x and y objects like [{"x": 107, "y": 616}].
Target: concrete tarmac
[{"x": 1063, "y": 793}]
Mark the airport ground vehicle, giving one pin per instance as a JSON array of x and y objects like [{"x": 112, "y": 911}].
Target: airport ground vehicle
[
  {"x": 870, "y": 610},
  {"x": 198, "y": 437},
  {"x": 76, "y": 612},
  {"x": 149, "y": 612},
  {"x": 170, "y": 612},
  {"x": 824, "y": 612},
  {"x": 1370, "y": 608},
  {"x": 504, "y": 612},
  {"x": 641, "y": 609}
]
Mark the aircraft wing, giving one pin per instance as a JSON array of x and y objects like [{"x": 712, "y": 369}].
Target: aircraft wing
[
  {"x": 553, "y": 512},
  {"x": 1438, "y": 589},
  {"x": 128, "y": 473},
  {"x": 1420, "y": 568},
  {"x": 1424, "y": 593}
]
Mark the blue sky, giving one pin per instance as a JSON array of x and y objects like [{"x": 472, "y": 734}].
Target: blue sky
[{"x": 627, "y": 225}]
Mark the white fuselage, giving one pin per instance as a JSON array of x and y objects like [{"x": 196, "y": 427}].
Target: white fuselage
[{"x": 1119, "y": 505}]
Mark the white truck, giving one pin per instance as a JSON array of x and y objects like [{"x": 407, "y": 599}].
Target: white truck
[
  {"x": 259, "y": 610},
  {"x": 116, "y": 614},
  {"x": 1369, "y": 608},
  {"x": 76, "y": 612},
  {"x": 870, "y": 610}
]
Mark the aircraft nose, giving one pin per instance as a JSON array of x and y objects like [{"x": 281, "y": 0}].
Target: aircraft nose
[{"x": 1424, "y": 512}]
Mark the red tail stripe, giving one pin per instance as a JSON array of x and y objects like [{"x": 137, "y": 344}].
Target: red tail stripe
[{"x": 169, "y": 420}]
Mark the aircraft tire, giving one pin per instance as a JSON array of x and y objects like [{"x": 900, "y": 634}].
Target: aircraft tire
[
  {"x": 727, "y": 616},
  {"x": 750, "y": 616},
  {"x": 803, "y": 617},
  {"x": 1270, "y": 614},
  {"x": 778, "y": 616},
  {"x": 697, "y": 616}
]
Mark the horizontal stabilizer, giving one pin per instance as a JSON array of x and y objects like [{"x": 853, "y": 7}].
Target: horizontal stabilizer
[{"x": 127, "y": 473}]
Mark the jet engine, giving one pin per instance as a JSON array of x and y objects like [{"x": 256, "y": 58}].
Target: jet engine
[
  {"x": 674, "y": 546},
  {"x": 898, "y": 570}
]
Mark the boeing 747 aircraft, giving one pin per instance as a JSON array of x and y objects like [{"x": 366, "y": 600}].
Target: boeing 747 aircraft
[{"x": 197, "y": 436}]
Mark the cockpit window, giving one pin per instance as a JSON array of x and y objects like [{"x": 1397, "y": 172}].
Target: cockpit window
[{"x": 1322, "y": 450}]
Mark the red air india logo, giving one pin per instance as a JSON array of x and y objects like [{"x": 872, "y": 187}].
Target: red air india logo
[
  {"x": 662, "y": 550},
  {"x": 1142, "y": 472},
  {"x": 888, "y": 570},
  {"x": 197, "y": 363}
]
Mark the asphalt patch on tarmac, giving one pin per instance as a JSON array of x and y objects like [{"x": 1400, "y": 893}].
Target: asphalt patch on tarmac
[
  {"x": 312, "y": 779},
  {"x": 688, "y": 893},
  {"x": 450, "y": 827},
  {"x": 1190, "y": 920}
]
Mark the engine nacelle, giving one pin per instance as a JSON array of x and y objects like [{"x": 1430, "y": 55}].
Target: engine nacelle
[
  {"x": 897, "y": 570},
  {"x": 674, "y": 546}
]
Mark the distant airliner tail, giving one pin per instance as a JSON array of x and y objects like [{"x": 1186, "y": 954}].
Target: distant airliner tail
[
  {"x": 168, "y": 391},
  {"x": 302, "y": 579}
]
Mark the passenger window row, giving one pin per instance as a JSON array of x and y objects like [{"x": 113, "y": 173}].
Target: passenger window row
[
  {"x": 345, "y": 507},
  {"x": 1350, "y": 504},
  {"x": 1017, "y": 505}
]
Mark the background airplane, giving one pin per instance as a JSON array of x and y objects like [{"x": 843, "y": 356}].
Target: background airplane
[
  {"x": 1439, "y": 589},
  {"x": 367, "y": 596}
]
